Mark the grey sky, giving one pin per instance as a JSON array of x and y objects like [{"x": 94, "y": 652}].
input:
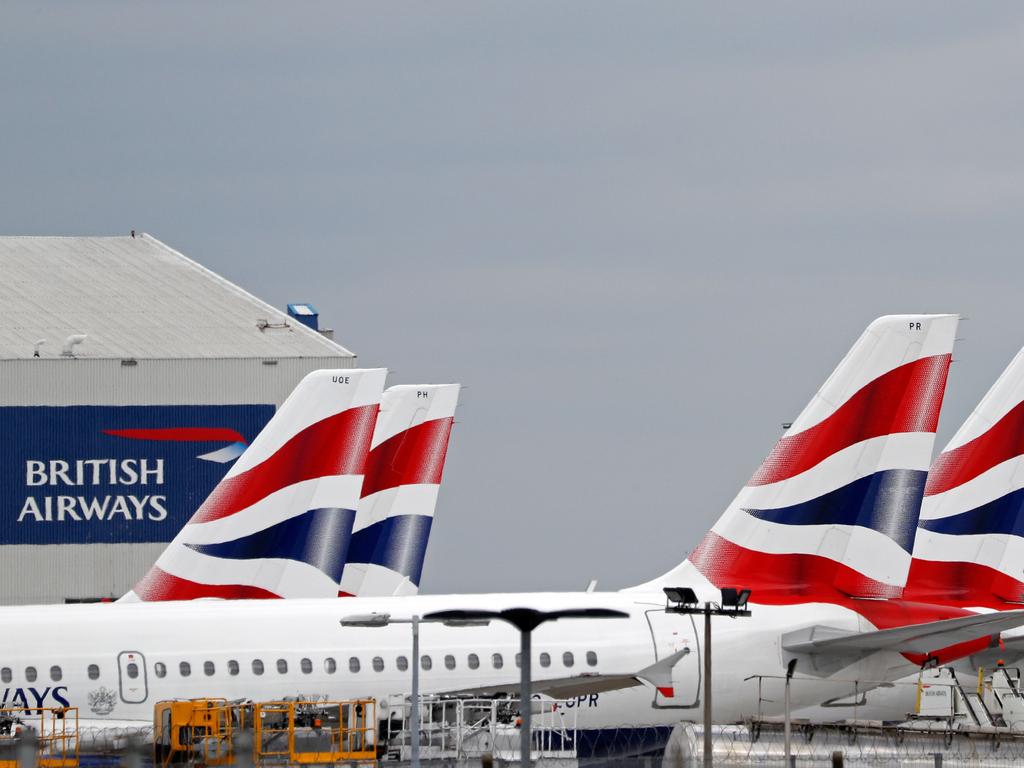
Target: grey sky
[{"x": 641, "y": 233}]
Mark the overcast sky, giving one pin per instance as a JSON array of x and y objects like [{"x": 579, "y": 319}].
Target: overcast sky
[{"x": 642, "y": 234}]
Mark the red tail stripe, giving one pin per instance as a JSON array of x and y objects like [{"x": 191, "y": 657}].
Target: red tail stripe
[
  {"x": 158, "y": 585},
  {"x": 795, "y": 579},
  {"x": 962, "y": 583},
  {"x": 906, "y": 399},
  {"x": 181, "y": 434},
  {"x": 336, "y": 445},
  {"x": 1003, "y": 441},
  {"x": 413, "y": 456}
]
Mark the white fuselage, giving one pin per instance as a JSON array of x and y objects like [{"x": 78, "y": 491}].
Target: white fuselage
[{"x": 83, "y": 655}]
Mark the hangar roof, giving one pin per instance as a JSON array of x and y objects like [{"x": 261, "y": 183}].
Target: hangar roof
[{"x": 135, "y": 297}]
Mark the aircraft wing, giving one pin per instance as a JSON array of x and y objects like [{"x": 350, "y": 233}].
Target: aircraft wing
[
  {"x": 658, "y": 674},
  {"x": 915, "y": 638}
]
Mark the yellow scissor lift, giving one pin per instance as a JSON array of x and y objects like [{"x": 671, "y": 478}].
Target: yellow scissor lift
[
  {"x": 214, "y": 732},
  {"x": 55, "y": 730}
]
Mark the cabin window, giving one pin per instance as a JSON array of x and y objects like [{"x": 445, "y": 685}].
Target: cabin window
[
  {"x": 591, "y": 659},
  {"x": 93, "y": 671},
  {"x": 330, "y": 666},
  {"x": 519, "y": 660},
  {"x": 159, "y": 668},
  {"x": 306, "y": 665},
  {"x": 132, "y": 670},
  {"x": 208, "y": 668},
  {"x": 473, "y": 661},
  {"x": 232, "y": 667},
  {"x": 282, "y": 667},
  {"x": 496, "y": 661},
  {"x": 257, "y": 666},
  {"x": 426, "y": 662},
  {"x": 30, "y": 674},
  {"x": 5, "y": 674},
  {"x": 545, "y": 659},
  {"x": 402, "y": 663},
  {"x": 378, "y": 664},
  {"x": 353, "y": 664},
  {"x": 449, "y": 662},
  {"x": 56, "y": 674},
  {"x": 567, "y": 659},
  {"x": 185, "y": 669}
]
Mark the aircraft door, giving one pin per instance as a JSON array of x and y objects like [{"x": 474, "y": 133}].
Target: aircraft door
[
  {"x": 671, "y": 633},
  {"x": 132, "y": 677}
]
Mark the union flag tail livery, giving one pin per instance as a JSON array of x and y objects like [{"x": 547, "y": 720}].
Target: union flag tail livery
[
  {"x": 832, "y": 512},
  {"x": 403, "y": 476},
  {"x": 970, "y": 541},
  {"x": 280, "y": 522}
]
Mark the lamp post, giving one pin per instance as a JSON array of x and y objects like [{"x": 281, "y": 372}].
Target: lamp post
[
  {"x": 788, "y": 726},
  {"x": 734, "y": 604},
  {"x": 525, "y": 620},
  {"x": 383, "y": 620}
]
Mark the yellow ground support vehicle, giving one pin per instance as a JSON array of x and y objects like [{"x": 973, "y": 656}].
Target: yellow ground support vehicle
[
  {"x": 215, "y": 732},
  {"x": 196, "y": 731},
  {"x": 315, "y": 733},
  {"x": 53, "y": 729}
]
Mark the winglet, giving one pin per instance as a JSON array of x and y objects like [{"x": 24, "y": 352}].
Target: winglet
[{"x": 659, "y": 674}]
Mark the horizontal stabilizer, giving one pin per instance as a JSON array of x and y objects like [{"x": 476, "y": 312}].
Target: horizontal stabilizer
[{"x": 923, "y": 638}]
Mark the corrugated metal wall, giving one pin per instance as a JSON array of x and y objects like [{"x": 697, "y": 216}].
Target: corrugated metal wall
[
  {"x": 210, "y": 381},
  {"x": 84, "y": 531}
]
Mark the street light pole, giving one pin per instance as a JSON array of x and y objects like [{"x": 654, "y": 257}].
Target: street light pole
[
  {"x": 525, "y": 620},
  {"x": 788, "y": 729},
  {"x": 707, "y": 686},
  {"x": 414, "y": 715},
  {"x": 383, "y": 620},
  {"x": 525, "y": 746},
  {"x": 734, "y": 604}
]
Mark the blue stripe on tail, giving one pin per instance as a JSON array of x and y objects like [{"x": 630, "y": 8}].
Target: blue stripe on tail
[
  {"x": 319, "y": 537},
  {"x": 888, "y": 502},
  {"x": 398, "y": 543},
  {"x": 1002, "y": 515}
]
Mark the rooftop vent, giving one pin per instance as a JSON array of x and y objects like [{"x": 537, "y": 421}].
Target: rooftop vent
[{"x": 305, "y": 314}]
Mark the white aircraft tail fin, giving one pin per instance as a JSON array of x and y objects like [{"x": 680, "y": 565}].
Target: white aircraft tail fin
[
  {"x": 280, "y": 522},
  {"x": 399, "y": 495},
  {"x": 832, "y": 511},
  {"x": 970, "y": 540}
]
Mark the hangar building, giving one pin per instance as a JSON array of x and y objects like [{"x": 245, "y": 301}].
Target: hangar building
[{"x": 131, "y": 378}]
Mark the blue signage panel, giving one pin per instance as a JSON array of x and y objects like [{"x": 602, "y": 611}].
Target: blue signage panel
[{"x": 84, "y": 474}]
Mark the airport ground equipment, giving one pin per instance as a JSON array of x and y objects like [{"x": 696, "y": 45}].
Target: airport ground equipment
[
  {"x": 997, "y": 701},
  {"x": 50, "y": 733},
  {"x": 304, "y": 733},
  {"x": 213, "y": 732},
  {"x": 196, "y": 731},
  {"x": 461, "y": 728}
]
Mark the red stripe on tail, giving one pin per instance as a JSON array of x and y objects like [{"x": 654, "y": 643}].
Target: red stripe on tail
[
  {"x": 336, "y": 445},
  {"x": 962, "y": 583},
  {"x": 411, "y": 457},
  {"x": 1003, "y": 441},
  {"x": 791, "y": 578},
  {"x": 158, "y": 585},
  {"x": 906, "y": 399}
]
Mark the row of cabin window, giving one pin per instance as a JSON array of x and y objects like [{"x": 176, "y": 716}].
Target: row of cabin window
[
  {"x": 306, "y": 665},
  {"x": 354, "y": 665}
]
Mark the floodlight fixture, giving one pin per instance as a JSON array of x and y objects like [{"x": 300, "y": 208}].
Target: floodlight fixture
[
  {"x": 681, "y": 595},
  {"x": 735, "y": 598}
]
